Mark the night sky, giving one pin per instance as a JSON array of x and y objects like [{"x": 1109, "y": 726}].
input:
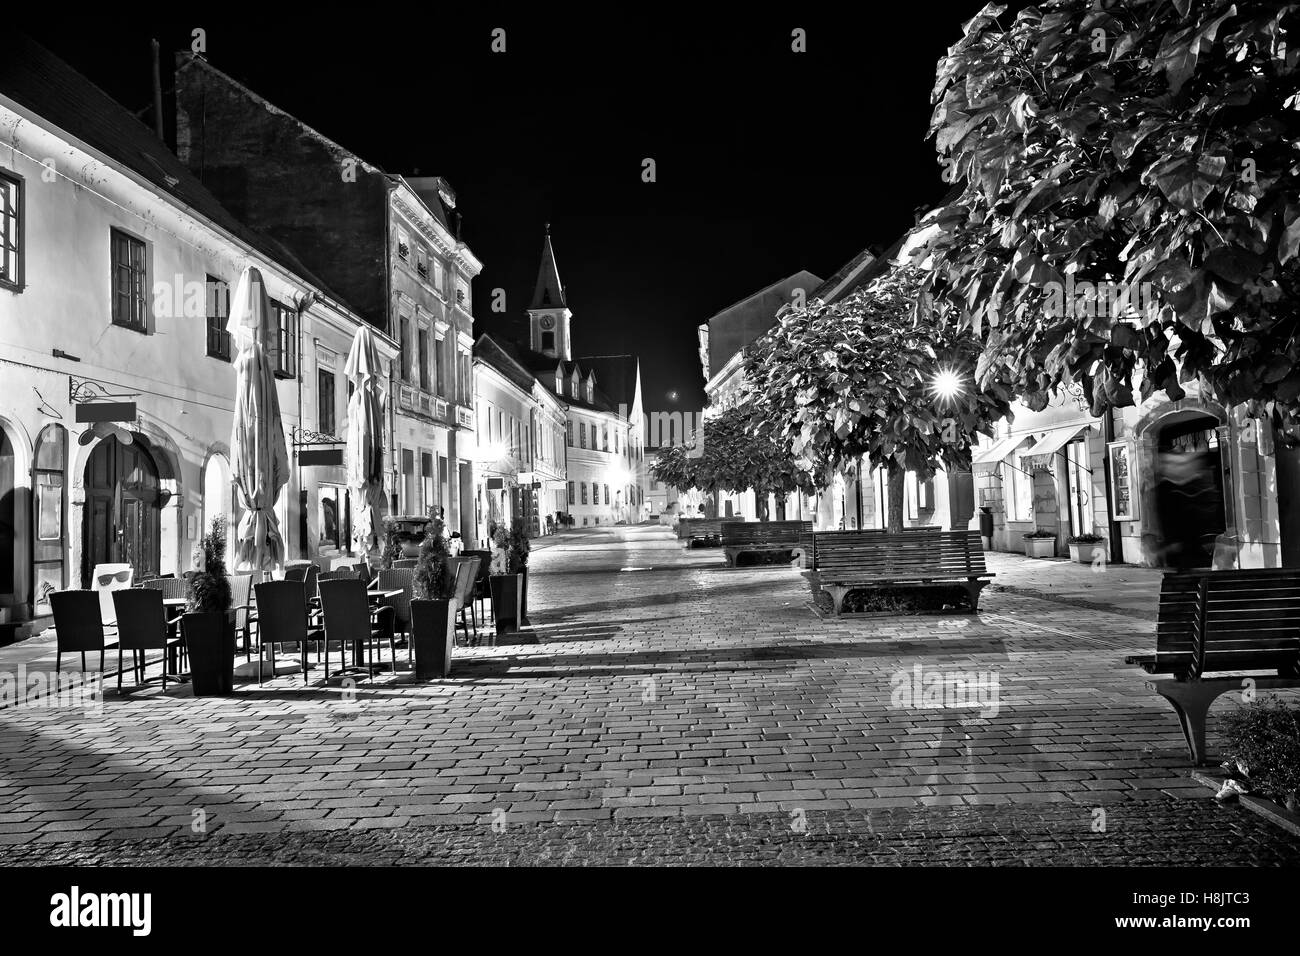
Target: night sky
[{"x": 768, "y": 162}]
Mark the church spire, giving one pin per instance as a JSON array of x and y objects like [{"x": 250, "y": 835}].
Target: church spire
[{"x": 549, "y": 294}]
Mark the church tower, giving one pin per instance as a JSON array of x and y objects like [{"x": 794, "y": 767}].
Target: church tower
[{"x": 548, "y": 316}]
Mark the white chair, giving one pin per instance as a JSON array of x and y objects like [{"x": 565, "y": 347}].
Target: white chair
[{"x": 106, "y": 579}]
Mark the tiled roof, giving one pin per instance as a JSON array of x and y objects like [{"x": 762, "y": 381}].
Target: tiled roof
[{"x": 39, "y": 81}]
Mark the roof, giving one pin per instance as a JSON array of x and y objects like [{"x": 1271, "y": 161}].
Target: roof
[
  {"x": 37, "y": 80},
  {"x": 616, "y": 377},
  {"x": 500, "y": 358},
  {"x": 741, "y": 323},
  {"x": 549, "y": 293}
]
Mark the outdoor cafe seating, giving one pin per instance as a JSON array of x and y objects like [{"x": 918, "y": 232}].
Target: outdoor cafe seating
[{"x": 143, "y": 626}]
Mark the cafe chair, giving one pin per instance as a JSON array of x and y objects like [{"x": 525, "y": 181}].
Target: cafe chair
[
  {"x": 282, "y": 619},
  {"x": 241, "y": 602},
  {"x": 482, "y": 585},
  {"x": 345, "y": 607},
  {"x": 78, "y": 626},
  {"x": 142, "y": 626},
  {"x": 402, "y": 579}
]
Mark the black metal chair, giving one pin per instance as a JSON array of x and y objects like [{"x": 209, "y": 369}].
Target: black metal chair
[
  {"x": 78, "y": 626},
  {"x": 482, "y": 585},
  {"x": 345, "y": 607},
  {"x": 142, "y": 626},
  {"x": 402, "y": 579},
  {"x": 282, "y": 619},
  {"x": 466, "y": 576}
]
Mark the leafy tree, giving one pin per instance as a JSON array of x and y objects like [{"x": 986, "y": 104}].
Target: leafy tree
[
  {"x": 1148, "y": 145},
  {"x": 866, "y": 376},
  {"x": 740, "y": 452}
]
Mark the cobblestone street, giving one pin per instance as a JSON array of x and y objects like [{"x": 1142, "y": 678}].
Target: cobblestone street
[{"x": 662, "y": 709}]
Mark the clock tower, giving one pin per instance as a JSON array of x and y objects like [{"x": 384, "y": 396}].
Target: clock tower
[{"x": 548, "y": 315}]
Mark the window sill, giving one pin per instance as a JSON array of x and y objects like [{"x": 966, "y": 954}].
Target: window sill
[
  {"x": 283, "y": 375},
  {"x": 141, "y": 329},
  {"x": 219, "y": 357},
  {"x": 15, "y": 287}
]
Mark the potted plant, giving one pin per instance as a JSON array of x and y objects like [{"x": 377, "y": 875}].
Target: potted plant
[
  {"x": 1084, "y": 548},
  {"x": 505, "y": 583},
  {"x": 1040, "y": 543},
  {"x": 209, "y": 622},
  {"x": 433, "y": 618},
  {"x": 392, "y": 545},
  {"x": 518, "y": 547}
]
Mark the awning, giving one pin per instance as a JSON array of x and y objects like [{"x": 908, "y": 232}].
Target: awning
[
  {"x": 1040, "y": 455},
  {"x": 988, "y": 460}
]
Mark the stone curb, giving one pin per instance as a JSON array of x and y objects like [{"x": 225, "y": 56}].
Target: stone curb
[{"x": 1259, "y": 805}]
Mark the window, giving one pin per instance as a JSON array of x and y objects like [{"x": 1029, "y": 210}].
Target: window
[
  {"x": 568, "y": 433},
  {"x": 1022, "y": 492},
  {"x": 607, "y": 494},
  {"x": 582, "y": 486},
  {"x": 128, "y": 281},
  {"x": 548, "y": 341},
  {"x": 424, "y": 359},
  {"x": 403, "y": 246},
  {"x": 570, "y": 492},
  {"x": 11, "y": 232},
  {"x": 422, "y": 261},
  {"x": 604, "y": 440},
  {"x": 407, "y": 503},
  {"x": 285, "y": 341},
  {"x": 218, "y": 313},
  {"x": 404, "y": 343},
  {"x": 426, "y": 479},
  {"x": 325, "y": 401},
  {"x": 582, "y": 434},
  {"x": 441, "y": 370}
]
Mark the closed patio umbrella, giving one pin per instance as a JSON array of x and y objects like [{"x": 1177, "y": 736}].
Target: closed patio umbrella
[
  {"x": 365, "y": 446},
  {"x": 260, "y": 461}
]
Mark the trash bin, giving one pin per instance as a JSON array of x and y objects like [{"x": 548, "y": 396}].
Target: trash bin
[{"x": 986, "y": 528}]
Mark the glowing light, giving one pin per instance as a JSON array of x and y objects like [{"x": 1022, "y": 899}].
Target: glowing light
[{"x": 947, "y": 384}]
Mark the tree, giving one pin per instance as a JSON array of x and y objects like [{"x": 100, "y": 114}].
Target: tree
[
  {"x": 869, "y": 376},
  {"x": 739, "y": 452},
  {"x": 1131, "y": 199}
]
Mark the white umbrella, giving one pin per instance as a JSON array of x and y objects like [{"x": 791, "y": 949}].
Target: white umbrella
[
  {"x": 365, "y": 446},
  {"x": 260, "y": 461}
]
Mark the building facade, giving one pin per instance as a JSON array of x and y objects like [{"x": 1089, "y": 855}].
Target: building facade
[
  {"x": 114, "y": 286},
  {"x": 387, "y": 243}
]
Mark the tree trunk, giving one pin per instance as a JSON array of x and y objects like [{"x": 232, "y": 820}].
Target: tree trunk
[{"x": 897, "y": 477}]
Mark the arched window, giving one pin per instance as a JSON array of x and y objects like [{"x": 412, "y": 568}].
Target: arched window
[
  {"x": 218, "y": 497},
  {"x": 49, "y": 519}
]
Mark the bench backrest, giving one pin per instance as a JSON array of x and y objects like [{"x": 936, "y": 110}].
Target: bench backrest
[
  {"x": 1218, "y": 620},
  {"x": 766, "y": 532},
  {"x": 693, "y": 527},
  {"x": 921, "y": 551}
]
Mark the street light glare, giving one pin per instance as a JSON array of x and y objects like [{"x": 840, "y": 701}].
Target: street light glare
[{"x": 947, "y": 384}]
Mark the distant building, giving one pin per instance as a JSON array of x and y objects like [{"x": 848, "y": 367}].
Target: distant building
[
  {"x": 386, "y": 242},
  {"x": 116, "y": 267}
]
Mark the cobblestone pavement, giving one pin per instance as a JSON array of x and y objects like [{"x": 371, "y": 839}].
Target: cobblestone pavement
[{"x": 663, "y": 708}]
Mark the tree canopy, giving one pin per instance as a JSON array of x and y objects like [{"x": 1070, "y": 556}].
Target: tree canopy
[
  {"x": 1147, "y": 145},
  {"x": 739, "y": 452},
  {"x": 869, "y": 376}
]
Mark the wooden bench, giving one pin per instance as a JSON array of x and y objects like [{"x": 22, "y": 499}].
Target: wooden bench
[
  {"x": 765, "y": 537},
  {"x": 703, "y": 531},
  {"x": 847, "y": 560},
  {"x": 1222, "y": 621}
]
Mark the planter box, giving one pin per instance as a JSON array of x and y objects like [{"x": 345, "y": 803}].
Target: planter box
[
  {"x": 1040, "y": 547},
  {"x": 1086, "y": 552},
  {"x": 210, "y": 641},
  {"x": 433, "y": 632},
  {"x": 507, "y": 598}
]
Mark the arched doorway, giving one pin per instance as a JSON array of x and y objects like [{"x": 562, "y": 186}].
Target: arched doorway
[
  {"x": 8, "y": 519},
  {"x": 1189, "y": 495},
  {"x": 122, "y": 509}
]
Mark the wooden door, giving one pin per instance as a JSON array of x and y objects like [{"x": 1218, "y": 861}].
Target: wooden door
[{"x": 121, "y": 524}]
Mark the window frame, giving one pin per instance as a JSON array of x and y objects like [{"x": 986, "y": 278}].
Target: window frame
[
  {"x": 326, "y": 414},
  {"x": 133, "y": 242},
  {"x": 285, "y": 344},
  {"x": 215, "y": 312},
  {"x": 17, "y": 210}
]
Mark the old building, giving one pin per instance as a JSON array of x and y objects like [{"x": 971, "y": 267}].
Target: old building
[
  {"x": 386, "y": 242},
  {"x": 114, "y": 280},
  {"x": 520, "y": 452}
]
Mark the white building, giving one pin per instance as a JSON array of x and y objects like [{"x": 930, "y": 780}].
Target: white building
[{"x": 113, "y": 285}]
